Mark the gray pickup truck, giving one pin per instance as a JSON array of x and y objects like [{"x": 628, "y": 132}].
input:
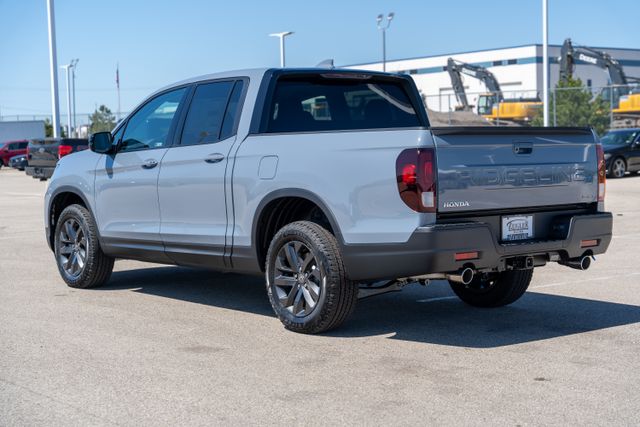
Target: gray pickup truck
[
  {"x": 43, "y": 154},
  {"x": 333, "y": 186}
]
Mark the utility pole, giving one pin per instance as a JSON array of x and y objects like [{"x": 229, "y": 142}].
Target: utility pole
[
  {"x": 67, "y": 69},
  {"x": 545, "y": 62},
  {"x": 74, "y": 64},
  {"x": 383, "y": 25},
  {"x": 53, "y": 68},
  {"x": 118, "y": 89},
  {"x": 281, "y": 36}
]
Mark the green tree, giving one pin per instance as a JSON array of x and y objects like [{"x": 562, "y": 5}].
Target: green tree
[
  {"x": 102, "y": 120},
  {"x": 575, "y": 106},
  {"x": 48, "y": 129}
]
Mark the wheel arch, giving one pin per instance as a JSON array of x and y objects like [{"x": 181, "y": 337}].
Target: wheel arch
[
  {"x": 271, "y": 201},
  {"x": 61, "y": 198}
]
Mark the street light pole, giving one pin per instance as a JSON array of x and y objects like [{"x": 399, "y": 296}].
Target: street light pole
[
  {"x": 545, "y": 62},
  {"x": 383, "y": 25},
  {"x": 74, "y": 64},
  {"x": 67, "y": 69},
  {"x": 53, "y": 69},
  {"x": 281, "y": 36}
]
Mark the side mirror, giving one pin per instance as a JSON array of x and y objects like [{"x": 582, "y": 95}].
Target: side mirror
[{"x": 101, "y": 142}]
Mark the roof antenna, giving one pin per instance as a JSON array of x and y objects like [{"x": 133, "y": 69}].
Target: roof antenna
[{"x": 327, "y": 63}]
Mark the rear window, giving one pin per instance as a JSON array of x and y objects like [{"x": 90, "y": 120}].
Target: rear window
[{"x": 316, "y": 103}]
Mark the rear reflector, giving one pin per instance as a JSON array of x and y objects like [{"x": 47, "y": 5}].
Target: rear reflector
[
  {"x": 588, "y": 243},
  {"x": 462, "y": 256}
]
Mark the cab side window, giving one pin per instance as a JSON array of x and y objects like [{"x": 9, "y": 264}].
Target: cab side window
[
  {"x": 204, "y": 121},
  {"x": 149, "y": 127}
]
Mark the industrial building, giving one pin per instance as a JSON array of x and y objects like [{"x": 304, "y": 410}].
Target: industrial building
[{"x": 518, "y": 69}]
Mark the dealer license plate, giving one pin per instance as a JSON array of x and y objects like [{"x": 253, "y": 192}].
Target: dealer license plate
[{"x": 518, "y": 227}]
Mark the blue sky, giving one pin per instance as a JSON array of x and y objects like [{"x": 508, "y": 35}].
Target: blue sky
[{"x": 159, "y": 42}]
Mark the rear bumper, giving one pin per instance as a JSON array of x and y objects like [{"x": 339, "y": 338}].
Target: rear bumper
[
  {"x": 432, "y": 249},
  {"x": 39, "y": 172}
]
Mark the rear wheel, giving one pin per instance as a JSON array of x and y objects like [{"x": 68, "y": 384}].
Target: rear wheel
[
  {"x": 81, "y": 262},
  {"x": 618, "y": 168},
  {"x": 306, "y": 280},
  {"x": 494, "y": 289}
]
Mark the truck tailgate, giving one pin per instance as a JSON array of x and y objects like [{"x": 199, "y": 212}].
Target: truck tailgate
[
  {"x": 493, "y": 168},
  {"x": 43, "y": 153}
]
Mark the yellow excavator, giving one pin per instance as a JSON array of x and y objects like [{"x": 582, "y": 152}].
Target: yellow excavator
[
  {"x": 492, "y": 105},
  {"x": 624, "y": 92}
]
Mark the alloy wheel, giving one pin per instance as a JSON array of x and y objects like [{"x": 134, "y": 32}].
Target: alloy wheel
[
  {"x": 72, "y": 247},
  {"x": 619, "y": 168},
  {"x": 298, "y": 281}
]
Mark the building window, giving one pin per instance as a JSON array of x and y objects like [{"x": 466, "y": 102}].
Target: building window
[
  {"x": 496, "y": 63},
  {"x": 512, "y": 61},
  {"x": 588, "y": 82}
]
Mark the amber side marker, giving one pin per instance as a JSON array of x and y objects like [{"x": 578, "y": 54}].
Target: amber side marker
[
  {"x": 463, "y": 256},
  {"x": 588, "y": 243}
]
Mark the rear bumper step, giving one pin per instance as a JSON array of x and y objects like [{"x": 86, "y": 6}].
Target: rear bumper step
[{"x": 433, "y": 249}]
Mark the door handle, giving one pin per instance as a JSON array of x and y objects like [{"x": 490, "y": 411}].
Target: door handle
[
  {"x": 214, "y": 158},
  {"x": 150, "y": 164}
]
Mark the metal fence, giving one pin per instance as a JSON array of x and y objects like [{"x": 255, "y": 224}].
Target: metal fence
[{"x": 530, "y": 103}]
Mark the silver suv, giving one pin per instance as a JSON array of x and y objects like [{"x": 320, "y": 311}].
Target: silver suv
[{"x": 330, "y": 183}]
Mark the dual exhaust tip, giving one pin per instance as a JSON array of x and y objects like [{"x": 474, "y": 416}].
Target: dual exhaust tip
[{"x": 466, "y": 275}]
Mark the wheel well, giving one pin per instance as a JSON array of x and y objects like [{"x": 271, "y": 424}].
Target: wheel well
[
  {"x": 280, "y": 212},
  {"x": 58, "y": 204}
]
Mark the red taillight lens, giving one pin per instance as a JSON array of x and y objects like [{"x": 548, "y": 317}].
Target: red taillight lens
[
  {"x": 415, "y": 173},
  {"x": 602, "y": 173},
  {"x": 63, "y": 150}
]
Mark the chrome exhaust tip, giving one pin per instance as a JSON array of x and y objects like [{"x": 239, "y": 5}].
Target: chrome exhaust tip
[
  {"x": 581, "y": 263},
  {"x": 464, "y": 276}
]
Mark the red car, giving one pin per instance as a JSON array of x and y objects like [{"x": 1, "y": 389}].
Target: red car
[{"x": 10, "y": 149}]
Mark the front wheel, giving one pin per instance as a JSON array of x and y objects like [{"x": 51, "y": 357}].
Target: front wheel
[
  {"x": 81, "y": 262},
  {"x": 306, "y": 280},
  {"x": 494, "y": 289}
]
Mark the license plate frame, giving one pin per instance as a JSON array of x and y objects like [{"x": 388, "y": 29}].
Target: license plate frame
[{"x": 516, "y": 228}]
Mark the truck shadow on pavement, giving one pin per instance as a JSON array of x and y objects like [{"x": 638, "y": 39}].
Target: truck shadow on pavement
[{"x": 416, "y": 314}]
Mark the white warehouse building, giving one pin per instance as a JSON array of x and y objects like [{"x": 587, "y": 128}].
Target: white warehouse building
[{"x": 518, "y": 71}]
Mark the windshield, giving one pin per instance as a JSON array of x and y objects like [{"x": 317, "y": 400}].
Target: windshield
[{"x": 619, "y": 137}]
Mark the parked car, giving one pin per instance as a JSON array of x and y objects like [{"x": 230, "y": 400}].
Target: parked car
[
  {"x": 621, "y": 151},
  {"x": 18, "y": 162},
  {"x": 43, "y": 154},
  {"x": 332, "y": 185},
  {"x": 10, "y": 149}
]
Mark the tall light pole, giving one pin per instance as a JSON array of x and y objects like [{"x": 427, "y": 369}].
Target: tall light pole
[
  {"x": 67, "y": 69},
  {"x": 53, "y": 69},
  {"x": 281, "y": 36},
  {"x": 383, "y": 25},
  {"x": 545, "y": 62},
  {"x": 74, "y": 64}
]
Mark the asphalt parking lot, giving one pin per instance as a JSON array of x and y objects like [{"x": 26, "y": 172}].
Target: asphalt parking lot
[{"x": 164, "y": 345}]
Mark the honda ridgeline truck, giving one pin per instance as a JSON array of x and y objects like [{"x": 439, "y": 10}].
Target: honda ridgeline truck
[{"x": 331, "y": 184}]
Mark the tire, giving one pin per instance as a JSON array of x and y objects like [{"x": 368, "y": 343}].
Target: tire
[
  {"x": 618, "y": 168},
  {"x": 77, "y": 234},
  {"x": 309, "y": 292},
  {"x": 494, "y": 290}
]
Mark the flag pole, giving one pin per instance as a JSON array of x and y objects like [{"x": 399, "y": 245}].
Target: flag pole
[{"x": 118, "y": 87}]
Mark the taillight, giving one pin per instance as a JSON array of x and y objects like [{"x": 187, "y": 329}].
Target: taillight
[
  {"x": 27, "y": 154},
  {"x": 63, "y": 150},
  {"x": 415, "y": 173},
  {"x": 602, "y": 173}
]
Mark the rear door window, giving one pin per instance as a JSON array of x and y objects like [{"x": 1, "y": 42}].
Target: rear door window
[
  {"x": 317, "y": 103},
  {"x": 204, "y": 121}
]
